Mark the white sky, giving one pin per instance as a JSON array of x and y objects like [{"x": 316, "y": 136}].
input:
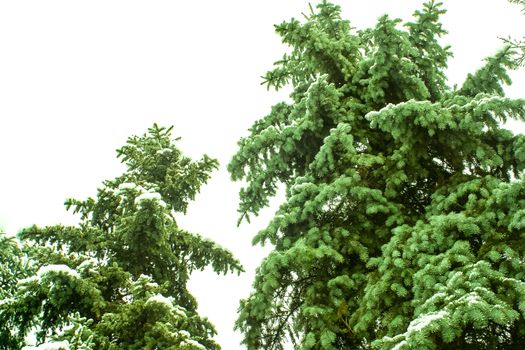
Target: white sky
[{"x": 77, "y": 78}]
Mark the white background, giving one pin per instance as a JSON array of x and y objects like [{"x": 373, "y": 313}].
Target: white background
[{"x": 78, "y": 77}]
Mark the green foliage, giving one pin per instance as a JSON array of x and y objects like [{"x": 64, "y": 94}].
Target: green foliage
[
  {"x": 118, "y": 280},
  {"x": 12, "y": 268},
  {"x": 404, "y": 218},
  {"x": 518, "y": 44},
  {"x": 519, "y": 2}
]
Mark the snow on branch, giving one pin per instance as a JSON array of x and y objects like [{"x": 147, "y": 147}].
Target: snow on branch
[
  {"x": 168, "y": 302},
  {"x": 416, "y": 326},
  {"x": 150, "y": 196},
  {"x": 57, "y": 269},
  {"x": 54, "y": 345}
]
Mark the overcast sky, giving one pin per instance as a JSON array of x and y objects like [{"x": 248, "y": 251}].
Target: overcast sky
[{"x": 78, "y": 77}]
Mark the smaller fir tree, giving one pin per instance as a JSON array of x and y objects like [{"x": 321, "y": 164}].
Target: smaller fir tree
[{"x": 119, "y": 279}]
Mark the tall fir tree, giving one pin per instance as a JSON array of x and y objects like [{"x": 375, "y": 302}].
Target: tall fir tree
[
  {"x": 403, "y": 224},
  {"x": 119, "y": 279}
]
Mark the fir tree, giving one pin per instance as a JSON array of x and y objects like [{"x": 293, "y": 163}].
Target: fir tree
[
  {"x": 118, "y": 280},
  {"x": 403, "y": 225}
]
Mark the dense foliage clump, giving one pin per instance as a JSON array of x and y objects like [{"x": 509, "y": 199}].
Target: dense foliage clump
[{"x": 403, "y": 225}]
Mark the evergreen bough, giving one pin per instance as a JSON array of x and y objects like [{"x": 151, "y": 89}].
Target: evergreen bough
[
  {"x": 403, "y": 225},
  {"x": 518, "y": 44},
  {"x": 13, "y": 266},
  {"x": 118, "y": 280}
]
